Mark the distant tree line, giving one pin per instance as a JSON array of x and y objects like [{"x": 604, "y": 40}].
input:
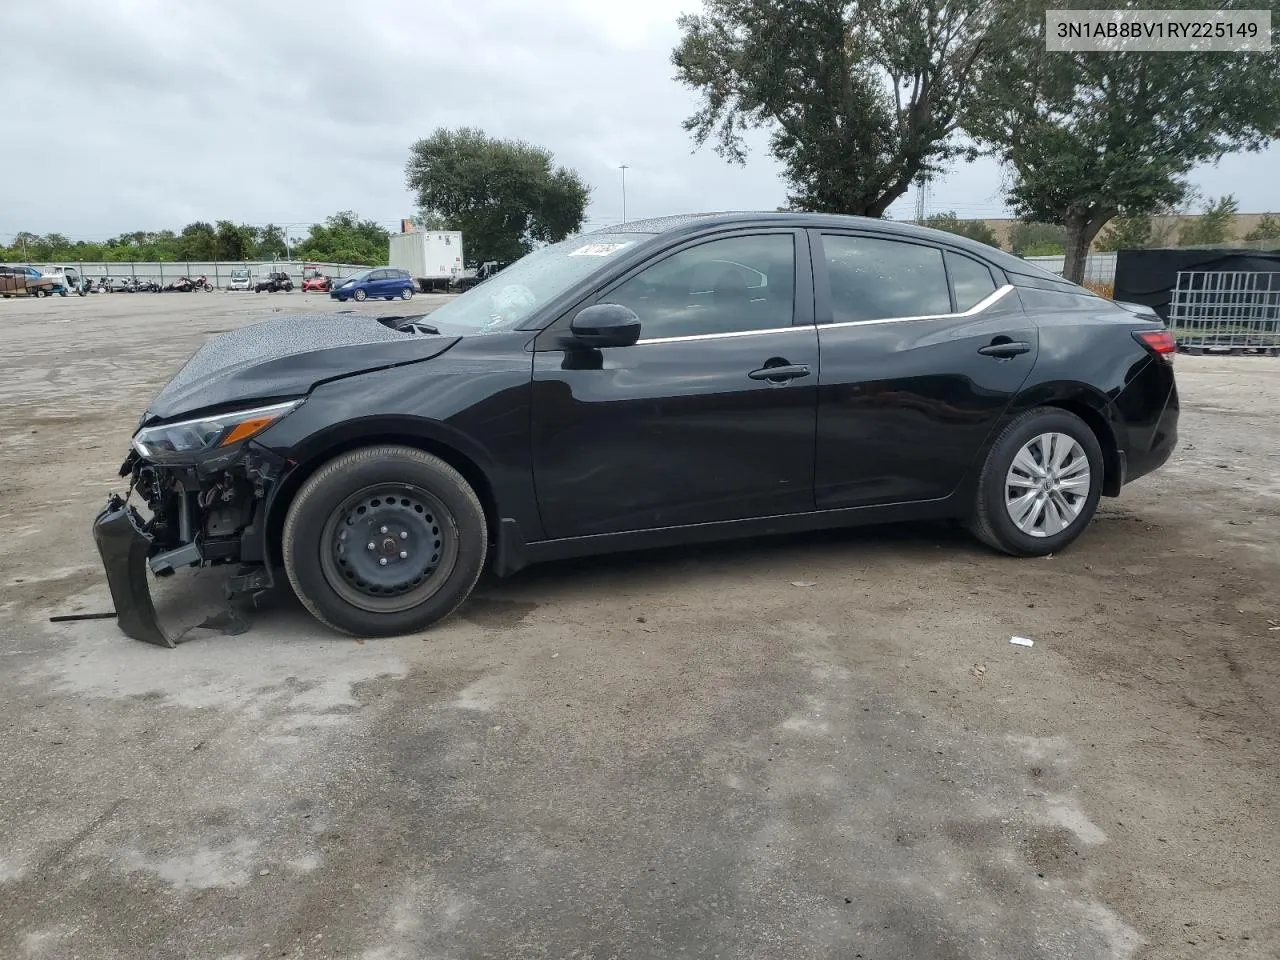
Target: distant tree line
[
  {"x": 342, "y": 238},
  {"x": 1167, "y": 226}
]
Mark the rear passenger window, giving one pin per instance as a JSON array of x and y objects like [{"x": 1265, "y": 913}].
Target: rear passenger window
[
  {"x": 874, "y": 279},
  {"x": 970, "y": 280}
]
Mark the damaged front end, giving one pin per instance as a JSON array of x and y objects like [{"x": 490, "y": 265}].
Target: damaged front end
[{"x": 203, "y": 511}]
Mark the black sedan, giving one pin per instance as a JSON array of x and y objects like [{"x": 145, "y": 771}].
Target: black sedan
[{"x": 662, "y": 382}]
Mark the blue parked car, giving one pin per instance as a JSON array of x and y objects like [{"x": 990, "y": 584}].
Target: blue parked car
[{"x": 385, "y": 282}]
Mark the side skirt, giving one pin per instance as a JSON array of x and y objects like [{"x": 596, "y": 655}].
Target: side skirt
[{"x": 513, "y": 553}]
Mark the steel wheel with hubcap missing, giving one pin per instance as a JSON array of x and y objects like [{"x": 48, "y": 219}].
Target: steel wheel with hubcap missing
[
  {"x": 384, "y": 540},
  {"x": 1047, "y": 485},
  {"x": 388, "y": 548}
]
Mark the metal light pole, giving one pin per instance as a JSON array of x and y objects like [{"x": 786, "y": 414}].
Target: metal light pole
[{"x": 624, "y": 192}]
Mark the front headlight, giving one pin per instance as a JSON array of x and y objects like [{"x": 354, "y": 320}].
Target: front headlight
[{"x": 208, "y": 433}]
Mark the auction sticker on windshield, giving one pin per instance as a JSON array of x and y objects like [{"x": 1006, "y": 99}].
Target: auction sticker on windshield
[{"x": 598, "y": 249}]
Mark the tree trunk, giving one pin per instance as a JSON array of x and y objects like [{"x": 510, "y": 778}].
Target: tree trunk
[{"x": 1081, "y": 229}]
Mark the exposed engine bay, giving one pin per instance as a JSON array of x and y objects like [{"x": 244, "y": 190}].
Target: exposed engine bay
[{"x": 192, "y": 516}]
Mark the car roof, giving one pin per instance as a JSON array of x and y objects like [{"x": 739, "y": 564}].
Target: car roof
[{"x": 691, "y": 223}]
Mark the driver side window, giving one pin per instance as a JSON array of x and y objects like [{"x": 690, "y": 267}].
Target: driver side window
[{"x": 733, "y": 285}]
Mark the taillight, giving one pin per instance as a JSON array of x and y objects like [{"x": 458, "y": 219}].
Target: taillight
[{"x": 1159, "y": 342}]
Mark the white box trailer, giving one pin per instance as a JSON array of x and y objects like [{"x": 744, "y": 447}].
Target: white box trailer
[{"x": 432, "y": 257}]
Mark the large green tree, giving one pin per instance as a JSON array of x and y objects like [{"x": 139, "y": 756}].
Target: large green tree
[
  {"x": 270, "y": 243},
  {"x": 235, "y": 242},
  {"x": 1092, "y": 136},
  {"x": 860, "y": 97},
  {"x": 198, "y": 241},
  {"x": 506, "y": 196},
  {"x": 345, "y": 238}
]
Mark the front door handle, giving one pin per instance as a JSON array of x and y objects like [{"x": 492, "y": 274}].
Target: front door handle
[
  {"x": 1007, "y": 348},
  {"x": 781, "y": 373}
]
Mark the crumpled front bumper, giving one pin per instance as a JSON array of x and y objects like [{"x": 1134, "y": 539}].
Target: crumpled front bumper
[{"x": 124, "y": 546}]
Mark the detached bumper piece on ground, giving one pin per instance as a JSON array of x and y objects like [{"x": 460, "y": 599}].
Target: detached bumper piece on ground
[{"x": 124, "y": 548}]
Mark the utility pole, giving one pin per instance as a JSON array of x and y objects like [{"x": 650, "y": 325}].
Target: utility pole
[
  {"x": 922, "y": 198},
  {"x": 624, "y": 193}
]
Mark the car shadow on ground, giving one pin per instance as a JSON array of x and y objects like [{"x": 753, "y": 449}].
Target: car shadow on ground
[
  {"x": 197, "y": 605},
  {"x": 781, "y": 552}
]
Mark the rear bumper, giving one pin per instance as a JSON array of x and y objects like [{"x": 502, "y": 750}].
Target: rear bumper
[
  {"x": 1152, "y": 448},
  {"x": 124, "y": 547}
]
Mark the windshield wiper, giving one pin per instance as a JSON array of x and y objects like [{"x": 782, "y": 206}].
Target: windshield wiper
[{"x": 413, "y": 324}]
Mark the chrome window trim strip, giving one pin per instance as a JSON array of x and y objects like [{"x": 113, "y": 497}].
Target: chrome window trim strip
[
  {"x": 722, "y": 336},
  {"x": 990, "y": 299}
]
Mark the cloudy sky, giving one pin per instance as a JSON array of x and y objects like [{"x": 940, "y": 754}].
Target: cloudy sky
[{"x": 158, "y": 113}]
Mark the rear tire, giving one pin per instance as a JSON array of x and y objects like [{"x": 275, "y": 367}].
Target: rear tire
[
  {"x": 40, "y": 293},
  {"x": 428, "y": 532},
  {"x": 1040, "y": 485},
  {"x": 406, "y": 293}
]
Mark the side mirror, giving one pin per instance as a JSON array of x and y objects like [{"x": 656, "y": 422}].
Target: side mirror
[{"x": 606, "y": 325}]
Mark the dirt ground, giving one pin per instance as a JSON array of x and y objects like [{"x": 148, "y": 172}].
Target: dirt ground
[{"x": 820, "y": 746}]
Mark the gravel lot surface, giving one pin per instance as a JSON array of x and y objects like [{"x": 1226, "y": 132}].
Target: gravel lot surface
[{"x": 676, "y": 753}]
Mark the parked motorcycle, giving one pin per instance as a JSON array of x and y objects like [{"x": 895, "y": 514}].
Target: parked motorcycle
[{"x": 187, "y": 285}]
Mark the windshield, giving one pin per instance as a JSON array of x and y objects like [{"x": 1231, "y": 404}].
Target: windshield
[
  {"x": 362, "y": 275},
  {"x": 511, "y": 295},
  {"x": 239, "y": 274}
]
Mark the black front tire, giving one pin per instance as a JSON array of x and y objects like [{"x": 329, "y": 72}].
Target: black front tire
[
  {"x": 319, "y": 511},
  {"x": 360, "y": 295},
  {"x": 991, "y": 522}
]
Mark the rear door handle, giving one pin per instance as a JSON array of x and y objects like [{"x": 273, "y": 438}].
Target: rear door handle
[
  {"x": 780, "y": 373},
  {"x": 1010, "y": 348}
]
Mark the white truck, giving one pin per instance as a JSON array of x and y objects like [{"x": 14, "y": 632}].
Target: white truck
[{"x": 432, "y": 257}]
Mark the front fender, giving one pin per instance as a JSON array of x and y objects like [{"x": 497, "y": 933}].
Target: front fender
[{"x": 474, "y": 415}]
